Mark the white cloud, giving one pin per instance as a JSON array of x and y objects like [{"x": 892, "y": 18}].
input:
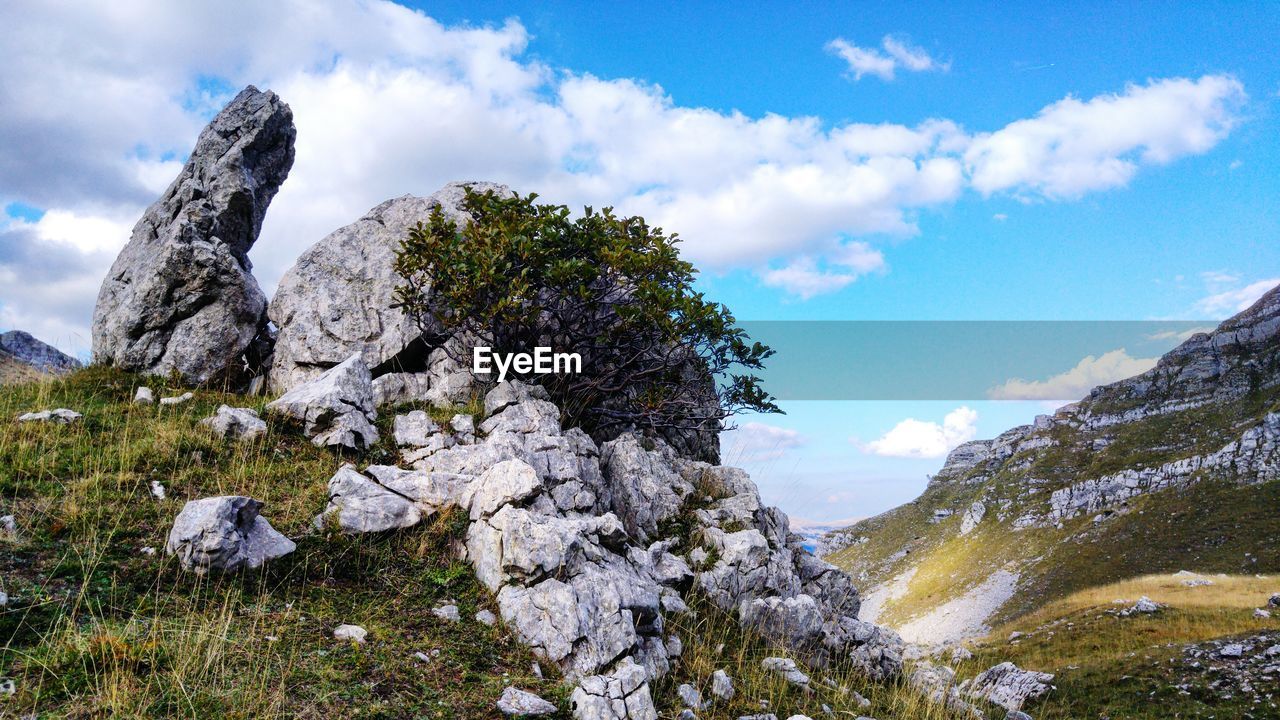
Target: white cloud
[
  {"x": 757, "y": 442},
  {"x": 1072, "y": 146},
  {"x": 913, "y": 438},
  {"x": 1225, "y": 302},
  {"x": 388, "y": 101},
  {"x": 1078, "y": 381},
  {"x": 884, "y": 62},
  {"x": 804, "y": 279}
]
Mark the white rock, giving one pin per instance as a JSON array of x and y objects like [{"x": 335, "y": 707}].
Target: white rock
[
  {"x": 447, "y": 612},
  {"x": 230, "y": 423},
  {"x": 350, "y": 632},
  {"x": 144, "y": 396},
  {"x": 177, "y": 399},
  {"x": 787, "y": 668},
  {"x": 487, "y": 618},
  {"x": 524, "y": 704},
  {"x": 157, "y": 490},
  {"x": 337, "y": 407},
  {"x": 722, "y": 685},
  {"x": 224, "y": 533},
  {"x": 60, "y": 416}
]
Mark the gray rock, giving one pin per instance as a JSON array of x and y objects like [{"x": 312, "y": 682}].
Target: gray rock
[
  {"x": 1009, "y": 686},
  {"x": 224, "y": 533},
  {"x": 621, "y": 695},
  {"x": 787, "y": 668},
  {"x": 1016, "y": 715},
  {"x": 339, "y": 297},
  {"x": 336, "y": 407},
  {"x": 60, "y": 416},
  {"x": 722, "y": 685},
  {"x": 972, "y": 517},
  {"x": 242, "y": 424},
  {"x": 355, "y": 633},
  {"x": 689, "y": 696},
  {"x": 177, "y": 399},
  {"x": 524, "y": 704},
  {"x": 646, "y": 488},
  {"x": 180, "y": 296},
  {"x": 488, "y": 618},
  {"x": 447, "y": 612},
  {"x": 37, "y": 354},
  {"x": 144, "y": 396},
  {"x": 360, "y": 504},
  {"x": 415, "y": 429}
]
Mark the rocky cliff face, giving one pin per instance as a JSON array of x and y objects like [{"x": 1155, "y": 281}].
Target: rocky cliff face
[
  {"x": 1088, "y": 481},
  {"x": 180, "y": 297}
]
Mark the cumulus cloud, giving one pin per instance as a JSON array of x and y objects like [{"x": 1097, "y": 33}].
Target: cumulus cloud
[
  {"x": 388, "y": 101},
  {"x": 803, "y": 278},
  {"x": 913, "y": 438},
  {"x": 1076, "y": 146},
  {"x": 1226, "y": 295},
  {"x": 757, "y": 442},
  {"x": 1078, "y": 381},
  {"x": 883, "y": 62}
]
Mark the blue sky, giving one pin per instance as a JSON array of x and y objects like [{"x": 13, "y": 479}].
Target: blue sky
[{"x": 841, "y": 162}]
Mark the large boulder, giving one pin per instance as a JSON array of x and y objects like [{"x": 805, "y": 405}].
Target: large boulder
[
  {"x": 224, "y": 533},
  {"x": 338, "y": 299},
  {"x": 180, "y": 297},
  {"x": 39, "y": 355}
]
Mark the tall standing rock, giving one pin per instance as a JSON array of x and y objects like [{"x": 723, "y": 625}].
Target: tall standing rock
[{"x": 180, "y": 297}]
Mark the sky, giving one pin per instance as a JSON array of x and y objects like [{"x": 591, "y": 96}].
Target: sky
[{"x": 857, "y": 162}]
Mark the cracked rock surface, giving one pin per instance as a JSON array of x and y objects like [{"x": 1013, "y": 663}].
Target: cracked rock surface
[
  {"x": 180, "y": 298},
  {"x": 570, "y": 538}
]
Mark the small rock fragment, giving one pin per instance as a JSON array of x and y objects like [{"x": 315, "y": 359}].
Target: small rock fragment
[
  {"x": 144, "y": 396},
  {"x": 447, "y": 612},
  {"x": 518, "y": 702},
  {"x": 486, "y": 617},
  {"x": 177, "y": 400},
  {"x": 350, "y": 632}
]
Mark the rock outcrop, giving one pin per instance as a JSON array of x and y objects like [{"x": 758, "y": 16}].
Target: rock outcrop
[
  {"x": 224, "y": 533},
  {"x": 44, "y": 357},
  {"x": 578, "y": 545},
  {"x": 180, "y": 297},
  {"x": 339, "y": 298}
]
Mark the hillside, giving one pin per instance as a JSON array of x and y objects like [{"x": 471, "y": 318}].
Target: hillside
[
  {"x": 1173, "y": 470},
  {"x": 98, "y": 619}
]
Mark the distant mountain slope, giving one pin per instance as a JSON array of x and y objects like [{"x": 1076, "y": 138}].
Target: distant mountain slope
[
  {"x": 1175, "y": 468},
  {"x": 26, "y": 348}
]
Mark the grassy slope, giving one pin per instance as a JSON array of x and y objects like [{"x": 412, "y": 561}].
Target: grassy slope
[
  {"x": 1132, "y": 667},
  {"x": 96, "y": 628}
]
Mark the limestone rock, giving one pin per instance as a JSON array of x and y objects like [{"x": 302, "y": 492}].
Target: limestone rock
[
  {"x": 787, "y": 668},
  {"x": 144, "y": 396},
  {"x": 972, "y": 517},
  {"x": 338, "y": 297},
  {"x": 177, "y": 399},
  {"x": 60, "y": 416},
  {"x": 722, "y": 685},
  {"x": 180, "y": 296},
  {"x": 224, "y": 533},
  {"x": 336, "y": 407},
  {"x": 242, "y": 424},
  {"x": 520, "y": 703},
  {"x": 646, "y": 488},
  {"x": 621, "y": 695},
  {"x": 37, "y": 354},
  {"x": 1009, "y": 686},
  {"x": 359, "y": 504},
  {"x": 354, "y": 633}
]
